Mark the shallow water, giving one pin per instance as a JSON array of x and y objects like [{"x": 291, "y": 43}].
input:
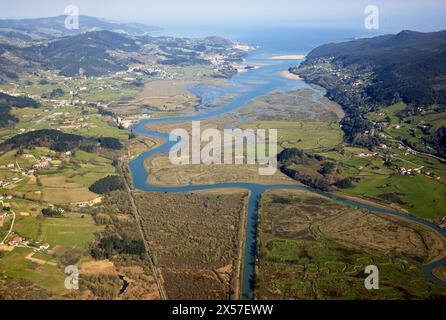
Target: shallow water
[{"x": 248, "y": 86}]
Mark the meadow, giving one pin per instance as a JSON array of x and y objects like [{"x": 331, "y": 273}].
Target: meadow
[
  {"x": 69, "y": 235},
  {"x": 302, "y": 135},
  {"x": 15, "y": 264},
  {"x": 313, "y": 248},
  {"x": 66, "y": 180}
]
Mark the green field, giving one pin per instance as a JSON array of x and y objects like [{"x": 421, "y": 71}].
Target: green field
[
  {"x": 14, "y": 264},
  {"x": 97, "y": 127},
  {"x": 302, "y": 135},
  {"x": 71, "y": 231},
  {"x": 313, "y": 248},
  {"x": 106, "y": 89},
  {"x": 87, "y": 168},
  {"x": 404, "y": 126},
  {"x": 92, "y": 124},
  {"x": 82, "y": 120},
  {"x": 418, "y": 194},
  {"x": 67, "y": 179}
]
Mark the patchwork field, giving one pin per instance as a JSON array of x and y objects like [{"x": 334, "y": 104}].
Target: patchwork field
[
  {"x": 411, "y": 127},
  {"x": 105, "y": 89},
  {"x": 71, "y": 239},
  {"x": 381, "y": 175},
  {"x": 313, "y": 248},
  {"x": 82, "y": 120},
  {"x": 67, "y": 236},
  {"x": 65, "y": 179},
  {"x": 16, "y": 265}
]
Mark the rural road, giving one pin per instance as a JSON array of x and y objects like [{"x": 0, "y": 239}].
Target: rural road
[
  {"x": 10, "y": 229},
  {"x": 155, "y": 271}
]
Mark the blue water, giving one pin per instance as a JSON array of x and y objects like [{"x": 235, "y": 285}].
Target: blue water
[
  {"x": 275, "y": 40},
  {"x": 246, "y": 87}
]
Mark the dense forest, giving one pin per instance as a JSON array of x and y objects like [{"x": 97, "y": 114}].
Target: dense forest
[
  {"x": 109, "y": 245},
  {"x": 367, "y": 74},
  {"x": 59, "y": 141},
  {"x": 52, "y": 212},
  {"x": 321, "y": 174},
  {"x": 8, "y": 102},
  {"x": 107, "y": 185},
  {"x": 409, "y": 66}
]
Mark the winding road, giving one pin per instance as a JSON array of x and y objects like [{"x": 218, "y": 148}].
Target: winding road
[{"x": 10, "y": 228}]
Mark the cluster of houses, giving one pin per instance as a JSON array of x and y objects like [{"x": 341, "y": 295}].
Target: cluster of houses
[
  {"x": 44, "y": 162},
  {"x": 18, "y": 241},
  {"x": 410, "y": 172},
  {"x": 14, "y": 168},
  {"x": 403, "y": 170},
  {"x": 128, "y": 122},
  {"x": 5, "y": 197},
  {"x": 88, "y": 204},
  {"x": 367, "y": 155},
  {"x": 140, "y": 70},
  {"x": 75, "y": 124}
]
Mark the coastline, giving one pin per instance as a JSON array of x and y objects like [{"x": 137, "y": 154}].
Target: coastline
[
  {"x": 290, "y": 57},
  {"x": 290, "y": 75}
]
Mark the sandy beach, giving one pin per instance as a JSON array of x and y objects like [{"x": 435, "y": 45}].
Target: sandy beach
[
  {"x": 290, "y": 57},
  {"x": 240, "y": 69},
  {"x": 289, "y": 75}
]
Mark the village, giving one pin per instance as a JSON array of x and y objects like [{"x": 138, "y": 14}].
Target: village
[
  {"x": 386, "y": 149},
  {"x": 20, "y": 174},
  {"x": 12, "y": 240}
]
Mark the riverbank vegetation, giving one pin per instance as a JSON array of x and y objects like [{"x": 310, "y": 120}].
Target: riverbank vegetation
[
  {"x": 310, "y": 247},
  {"x": 196, "y": 239}
]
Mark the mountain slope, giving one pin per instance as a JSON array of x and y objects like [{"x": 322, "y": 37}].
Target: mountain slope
[
  {"x": 8, "y": 102},
  {"x": 55, "y": 26},
  {"x": 409, "y": 66},
  {"x": 366, "y": 75},
  {"x": 89, "y": 54},
  {"x": 85, "y": 54},
  {"x": 100, "y": 53}
]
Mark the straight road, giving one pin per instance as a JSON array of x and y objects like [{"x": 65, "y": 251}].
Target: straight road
[{"x": 144, "y": 236}]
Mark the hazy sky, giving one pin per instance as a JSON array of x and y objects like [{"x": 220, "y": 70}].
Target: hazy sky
[{"x": 395, "y": 14}]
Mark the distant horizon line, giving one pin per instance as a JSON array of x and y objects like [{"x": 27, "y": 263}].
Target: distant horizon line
[{"x": 244, "y": 24}]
